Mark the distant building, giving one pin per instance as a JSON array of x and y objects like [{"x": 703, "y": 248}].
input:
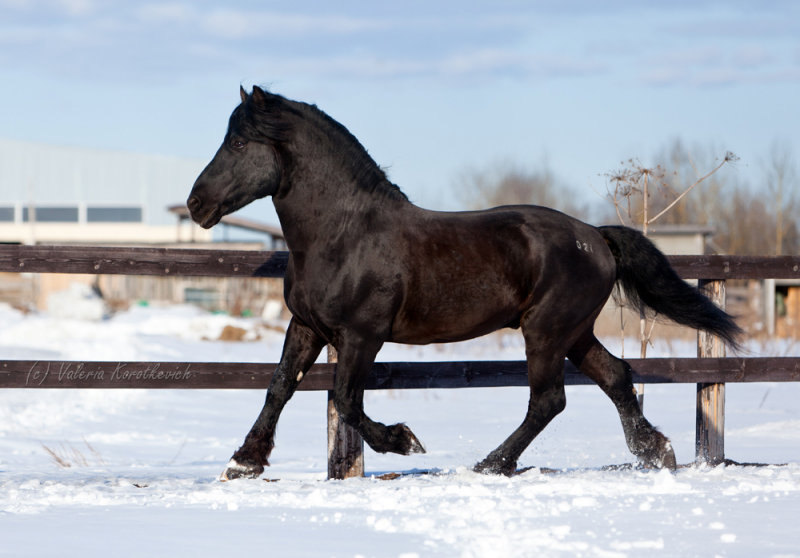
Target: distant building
[
  {"x": 68, "y": 195},
  {"x": 55, "y": 195},
  {"x": 685, "y": 240}
]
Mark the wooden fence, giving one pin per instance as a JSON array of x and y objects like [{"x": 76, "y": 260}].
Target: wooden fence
[{"x": 345, "y": 457}]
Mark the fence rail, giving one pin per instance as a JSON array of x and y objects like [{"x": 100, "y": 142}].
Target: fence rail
[
  {"x": 68, "y": 374},
  {"x": 253, "y": 263},
  {"x": 709, "y": 374},
  {"x": 142, "y": 261}
]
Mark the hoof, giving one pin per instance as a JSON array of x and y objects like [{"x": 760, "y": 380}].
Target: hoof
[
  {"x": 237, "y": 470},
  {"x": 662, "y": 458},
  {"x": 407, "y": 442},
  {"x": 667, "y": 460},
  {"x": 397, "y": 438},
  {"x": 495, "y": 466}
]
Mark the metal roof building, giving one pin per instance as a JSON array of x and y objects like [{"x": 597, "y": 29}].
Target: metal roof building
[{"x": 67, "y": 194}]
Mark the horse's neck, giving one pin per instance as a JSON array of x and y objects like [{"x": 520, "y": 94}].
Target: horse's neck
[
  {"x": 316, "y": 209},
  {"x": 331, "y": 186}
]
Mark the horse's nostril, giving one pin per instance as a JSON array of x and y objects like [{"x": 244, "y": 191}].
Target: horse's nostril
[{"x": 193, "y": 203}]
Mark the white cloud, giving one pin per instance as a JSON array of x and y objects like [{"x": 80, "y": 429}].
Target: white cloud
[
  {"x": 663, "y": 76},
  {"x": 719, "y": 76},
  {"x": 177, "y": 37},
  {"x": 465, "y": 64},
  {"x": 54, "y": 39},
  {"x": 785, "y": 74},
  {"x": 167, "y": 13},
  {"x": 14, "y": 4},
  {"x": 240, "y": 24},
  {"x": 704, "y": 66},
  {"x": 73, "y": 8},
  {"x": 703, "y": 55},
  {"x": 751, "y": 56},
  {"x": 76, "y": 7}
]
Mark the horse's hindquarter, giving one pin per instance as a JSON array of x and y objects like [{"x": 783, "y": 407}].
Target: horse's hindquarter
[{"x": 467, "y": 274}]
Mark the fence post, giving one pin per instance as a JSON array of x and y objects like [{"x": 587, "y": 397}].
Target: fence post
[
  {"x": 345, "y": 445},
  {"x": 710, "y": 424}
]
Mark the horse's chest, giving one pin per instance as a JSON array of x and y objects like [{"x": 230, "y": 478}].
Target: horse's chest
[
  {"x": 347, "y": 295},
  {"x": 306, "y": 292},
  {"x": 295, "y": 292}
]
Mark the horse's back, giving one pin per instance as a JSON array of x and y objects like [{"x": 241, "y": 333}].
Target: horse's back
[
  {"x": 470, "y": 273},
  {"x": 568, "y": 254},
  {"x": 537, "y": 235}
]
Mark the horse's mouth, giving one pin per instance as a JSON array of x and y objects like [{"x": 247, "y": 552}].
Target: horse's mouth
[{"x": 211, "y": 219}]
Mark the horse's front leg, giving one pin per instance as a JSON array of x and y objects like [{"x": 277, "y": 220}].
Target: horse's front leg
[
  {"x": 356, "y": 356},
  {"x": 300, "y": 349}
]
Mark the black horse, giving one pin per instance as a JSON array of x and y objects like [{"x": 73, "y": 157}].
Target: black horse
[{"x": 366, "y": 267}]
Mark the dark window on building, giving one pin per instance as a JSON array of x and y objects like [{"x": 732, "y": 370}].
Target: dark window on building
[
  {"x": 52, "y": 214},
  {"x": 114, "y": 214},
  {"x": 6, "y": 214},
  {"x": 207, "y": 298}
]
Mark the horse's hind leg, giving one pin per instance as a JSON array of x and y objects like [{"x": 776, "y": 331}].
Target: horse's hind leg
[
  {"x": 300, "y": 349},
  {"x": 356, "y": 356},
  {"x": 547, "y": 399},
  {"x": 614, "y": 377}
]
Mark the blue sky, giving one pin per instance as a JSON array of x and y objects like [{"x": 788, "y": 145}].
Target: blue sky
[{"x": 432, "y": 89}]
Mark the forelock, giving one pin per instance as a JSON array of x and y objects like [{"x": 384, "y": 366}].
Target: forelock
[{"x": 260, "y": 123}]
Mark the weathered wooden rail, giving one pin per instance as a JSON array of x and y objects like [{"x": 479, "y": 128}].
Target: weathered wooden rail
[
  {"x": 68, "y": 374},
  {"x": 709, "y": 372}
]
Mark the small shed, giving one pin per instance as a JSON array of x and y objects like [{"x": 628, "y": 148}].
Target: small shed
[
  {"x": 681, "y": 239},
  {"x": 274, "y": 235}
]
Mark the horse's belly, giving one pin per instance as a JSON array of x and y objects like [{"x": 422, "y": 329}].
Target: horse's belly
[{"x": 445, "y": 323}]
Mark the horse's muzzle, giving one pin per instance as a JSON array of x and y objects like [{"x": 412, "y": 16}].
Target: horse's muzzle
[{"x": 205, "y": 219}]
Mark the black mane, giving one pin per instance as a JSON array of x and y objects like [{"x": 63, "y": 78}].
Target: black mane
[{"x": 275, "y": 121}]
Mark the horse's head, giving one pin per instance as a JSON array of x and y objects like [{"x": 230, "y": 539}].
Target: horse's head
[{"x": 247, "y": 166}]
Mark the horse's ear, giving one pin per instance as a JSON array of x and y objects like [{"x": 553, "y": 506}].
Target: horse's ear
[
  {"x": 242, "y": 93},
  {"x": 259, "y": 96}
]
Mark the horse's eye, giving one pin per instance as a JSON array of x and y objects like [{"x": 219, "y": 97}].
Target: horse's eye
[{"x": 238, "y": 143}]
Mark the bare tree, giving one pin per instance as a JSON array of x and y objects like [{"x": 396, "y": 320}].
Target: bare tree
[
  {"x": 748, "y": 220},
  {"x": 509, "y": 184},
  {"x": 744, "y": 228},
  {"x": 750, "y": 223},
  {"x": 781, "y": 183},
  {"x": 643, "y": 195}
]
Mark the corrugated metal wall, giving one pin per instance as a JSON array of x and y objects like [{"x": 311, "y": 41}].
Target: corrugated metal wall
[{"x": 55, "y": 175}]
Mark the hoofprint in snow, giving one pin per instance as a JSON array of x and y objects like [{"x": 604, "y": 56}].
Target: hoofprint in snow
[{"x": 128, "y": 472}]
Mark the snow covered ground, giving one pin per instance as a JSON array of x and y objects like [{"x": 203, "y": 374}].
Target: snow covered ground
[{"x": 132, "y": 472}]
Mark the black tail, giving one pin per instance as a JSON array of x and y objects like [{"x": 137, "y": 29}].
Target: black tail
[{"x": 649, "y": 281}]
